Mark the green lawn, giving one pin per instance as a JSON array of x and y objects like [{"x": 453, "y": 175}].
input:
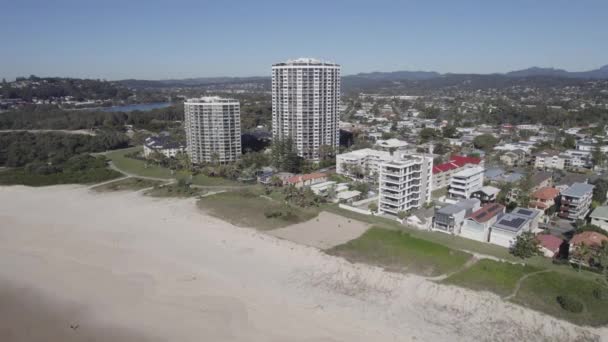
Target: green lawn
[
  {"x": 489, "y": 275},
  {"x": 540, "y": 291},
  {"x": 127, "y": 184},
  {"x": 247, "y": 209},
  {"x": 137, "y": 167},
  {"x": 399, "y": 251}
]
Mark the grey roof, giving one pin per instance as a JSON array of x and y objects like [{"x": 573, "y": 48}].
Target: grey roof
[
  {"x": 540, "y": 177},
  {"x": 512, "y": 177},
  {"x": 163, "y": 142},
  {"x": 459, "y": 206},
  {"x": 600, "y": 212},
  {"x": 578, "y": 190},
  {"x": 493, "y": 172}
]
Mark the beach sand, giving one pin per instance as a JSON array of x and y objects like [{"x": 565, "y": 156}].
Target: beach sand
[{"x": 82, "y": 266}]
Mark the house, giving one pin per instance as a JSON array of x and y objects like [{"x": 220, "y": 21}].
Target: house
[
  {"x": 549, "y": 244},
  {"x": 450, "y": 218},
  {"x": 541, "y": 179},
  {"x": 508, "y": 227},
  {"x": 592, "y": 240},
  {"x": 576, "y": 201},
  {"x": 599, "y": 217},
  {"x": 442, "y": 173},
  {"x": 466, "y": 182},
  {"x": 308, "y": 179},
  {"x": 477, "y": 225},
  {"x": 514, "y": 158},
  {"x": 549, "y": 160},
  {"x": 543, "y": 199},
  {"x": 486, "y": 194},
  {"x": 163, "y": 145},
  {"x": 421, "y": 218},
  {"x": 323, "y": 189}
]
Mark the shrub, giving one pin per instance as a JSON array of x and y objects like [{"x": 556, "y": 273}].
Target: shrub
[
  {"x": 273, "y": 213},
  {"x": 600, "y": 293},
  {"x": 570, "y": 303}
]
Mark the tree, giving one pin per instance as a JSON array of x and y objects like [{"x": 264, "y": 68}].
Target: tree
[
  {"x": 526, "y": 246},
  {"x": 569, "y": 142},
  {"x": 600, "y": 190},
  {"x": 485, "y": 142},
  {"x": 598, "y": 156},
  {"x": 427, "y": 134},
  {"x": 373, "y": 207},
  {"x": 284, "y": 156},
  {"x": 449, "y": 132},
  {"x": 603, "y": 259},
  {"x": 402, "y": 214}
]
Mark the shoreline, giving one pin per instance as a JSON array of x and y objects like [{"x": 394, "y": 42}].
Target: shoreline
[{"x": 161, "y": 258}]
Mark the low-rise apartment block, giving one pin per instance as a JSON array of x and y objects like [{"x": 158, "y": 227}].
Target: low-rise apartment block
[
  {"x": 405, "y": 183},
  {"x": 576, "y": 201},
  {"x": 466, "y": 182}
]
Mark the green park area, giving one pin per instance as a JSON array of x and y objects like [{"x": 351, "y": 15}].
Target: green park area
[
  {"x": 401, "y": 252},
  {"x": 142, "y": 168}
]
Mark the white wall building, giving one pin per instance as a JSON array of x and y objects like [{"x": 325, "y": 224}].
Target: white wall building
[
  {"x": 405, "y": 183},
  {"x": 164, "y": 146},
  {"x": 366, "y": 160},
  {"x": 305, "y": 104},
  {"x": 466, "y": 182},
  {"x": 213, "y": 129}
]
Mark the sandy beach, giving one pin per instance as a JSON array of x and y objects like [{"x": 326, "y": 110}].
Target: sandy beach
[{"x": 76, "y": 265}]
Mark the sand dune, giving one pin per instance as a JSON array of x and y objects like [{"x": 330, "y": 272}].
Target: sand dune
[{"x": 76, "y": 265}]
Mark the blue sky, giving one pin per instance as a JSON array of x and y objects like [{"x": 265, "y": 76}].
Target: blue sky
[{"x": 178, "y": 39}]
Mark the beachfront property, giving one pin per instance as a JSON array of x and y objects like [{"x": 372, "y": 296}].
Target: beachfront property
[
  {"x": 450, "y": 218},
  {"x": 305, "y": 105},
  {"x": 405, "y": 183},
  {"x": 442, "y": 173},
  {"x": 592, "y": 240},
  {"x": 575, "y": 201},
  {"x": 477, "y": 224},
  {"x": 550, "y": 245},
  {"x": 163, "y": 145},
  {"x": 213, "y": 129},
  {"x": 364, "y": 163},
  {"x": 508, "y": 227},
  {"x": 599, "y": 217},
  {"x": 464, "y": 183}
]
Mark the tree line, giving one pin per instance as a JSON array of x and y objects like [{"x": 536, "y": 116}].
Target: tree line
[{"x": 51, "y": 117}]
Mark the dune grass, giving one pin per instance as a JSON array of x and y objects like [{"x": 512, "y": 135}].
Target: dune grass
[
  {"x": 246, "y": 208},
  {"x": 489, "y": 275},
  {"x": 129, "y": 184},
  {"x": 401, "y": 252}
]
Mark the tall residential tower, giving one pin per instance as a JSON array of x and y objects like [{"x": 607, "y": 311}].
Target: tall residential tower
[
  {"x": 213, "y": 129},
  {"x": 305, "y": 102}
]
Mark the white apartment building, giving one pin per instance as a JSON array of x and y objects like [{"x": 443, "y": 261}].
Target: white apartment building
[
  {"x": 405, "y": 183},
  {"x": 213, "y": 129},
  {"x": 365, "y": 162},
  {"x": 464, "y": 183},
  {"x": 547, "y": 160},
  {"x": 305, "y": 104}
]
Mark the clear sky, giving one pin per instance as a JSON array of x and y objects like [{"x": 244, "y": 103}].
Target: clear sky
[{"x": 178, "y": 39}]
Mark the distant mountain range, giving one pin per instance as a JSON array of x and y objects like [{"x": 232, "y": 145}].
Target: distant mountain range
[
  {"x": 420, "y": 80},
  {"x": 601, "y": 73}
]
